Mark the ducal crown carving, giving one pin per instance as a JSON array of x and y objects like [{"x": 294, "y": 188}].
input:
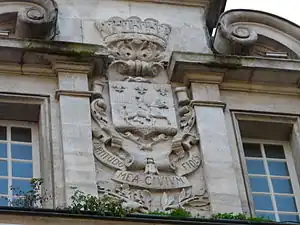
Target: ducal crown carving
[{"x": 116, "y": 29}]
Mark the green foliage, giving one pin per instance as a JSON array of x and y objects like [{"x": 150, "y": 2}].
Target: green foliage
[
  {"x": 105, "y": 206},
  {"x": 240, "y": 216},
  {"x": 159, "y": 213},
  {"x": 33, "y": 198},
  {"x": 100, "y": 206},
  {"x": 179, "y": 212}
]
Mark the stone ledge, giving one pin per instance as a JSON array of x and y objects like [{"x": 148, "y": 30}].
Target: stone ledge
[
  {"x": 237, "y": 72},
  {"x": 55, "y": 47},
  {"x": 58, "y": 93},
  {"x": 46, "y": 58},
  {"x": 23, "y": 216},
  {"x": 208, "y": 104},
  {"x": 202, "y": 3}
]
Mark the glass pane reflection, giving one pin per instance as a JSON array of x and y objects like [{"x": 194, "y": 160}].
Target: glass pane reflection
[
  {"x": 286, "y": 203},
  {"x": 19, "y": 151},
  {"x": 278, "y": 168},
  {"x": 259, "y": 184},
  {"x": 262, "y": 202},
  {"x": 282, "y": 185},
  {"x": 255, "y": 166}
]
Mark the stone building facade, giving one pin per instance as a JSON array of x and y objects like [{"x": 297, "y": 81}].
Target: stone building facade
[{"x": 161, "y": 104}]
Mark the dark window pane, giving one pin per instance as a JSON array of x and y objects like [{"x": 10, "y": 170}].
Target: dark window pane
[
  {"x": 20, "y": 185},
  {"x": 259, "y": 184},
  {"x": 21, "y": 134},
  {"x": 19, "y": 151},
  {"x": 252, "y": 150},
  {"x": 255, "y": 166},
  {"x": 3, "y": 150},
  {"x": 274, "y": 151},
  {"x": 3, "y": 133},
  {"x": 3, "y": 168},
  {"x": 3, "y": 201},
  {"x": 268, "y": 216},
  {"x": 288, "y": 218},
  {"x": 286, "y": 203},
  {"x": 278, "y": 168},
  {"x": 3, "y": 186},
  {"x": 282, "y": 185},
  {"x": 22, "y": 169},
  {"x": 262, "y": 202}
]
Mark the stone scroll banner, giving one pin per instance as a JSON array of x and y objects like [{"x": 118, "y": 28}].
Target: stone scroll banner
[
  {"x": 190, "y": 164},
  {"x": 107, "y": 157},
  {"x": 150, "y": 181}
]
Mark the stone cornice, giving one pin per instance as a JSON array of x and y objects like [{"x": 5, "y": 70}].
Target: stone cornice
[
  {"x": 59, "y": 93},
  {"x": 209, "y": 104},
  {"x": 250, "y": 74},
  {"x": 260, "y": 88},
  {"x": 25, "y": 69},
  {"x": 49, "y": 57},
  {"x": 201, "y": 3},
  {"x": 54, "y": 47},
  {"x": 206, "y": 77},
  {"x": 71, "y": 67}
]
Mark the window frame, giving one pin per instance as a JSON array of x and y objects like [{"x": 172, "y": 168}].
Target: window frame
[
  {"x": 291, "y": 169},
  {"x": 36, "y": 166}
]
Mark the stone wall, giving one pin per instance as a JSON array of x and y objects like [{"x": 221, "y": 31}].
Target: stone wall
[
  {"x": 77, "y": 19},
  {"x": 117, "y": 119}
]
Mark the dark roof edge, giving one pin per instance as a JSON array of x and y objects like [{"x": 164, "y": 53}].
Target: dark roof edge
[
  {"x": 141, "y": 218},
  {"x": 216, "y": 8}
]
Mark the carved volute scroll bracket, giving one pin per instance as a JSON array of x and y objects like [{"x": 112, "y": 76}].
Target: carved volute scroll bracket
[
  {"x": 35, "y": 18},
  {"x": 137, "y": 47},
  {"x": 254, "y": 33}
]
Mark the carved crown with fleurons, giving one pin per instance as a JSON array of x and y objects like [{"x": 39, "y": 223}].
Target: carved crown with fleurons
[{"x": 116, "y": 29}]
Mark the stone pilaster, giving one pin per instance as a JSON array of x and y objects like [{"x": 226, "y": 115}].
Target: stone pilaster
[
  {"x": 74, "y": 102},
  {"x": 217, "y": 159}
]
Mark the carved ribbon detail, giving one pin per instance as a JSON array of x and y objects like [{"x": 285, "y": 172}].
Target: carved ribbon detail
[{"x": 186, "y": 155}]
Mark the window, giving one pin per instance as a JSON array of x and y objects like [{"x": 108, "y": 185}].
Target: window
[
  {"x": 19, "y": 158},
  {"x": 272, "y": 178}
]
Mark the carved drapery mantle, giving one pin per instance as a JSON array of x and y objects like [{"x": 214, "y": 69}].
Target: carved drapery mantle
[
  {"x": 29, "y": 19},
  {"x": 145, "y": 143}
]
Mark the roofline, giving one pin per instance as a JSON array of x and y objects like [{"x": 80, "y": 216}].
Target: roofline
[
  {"x": 216, "y": 8},
  {"x": 262, "y": 12}
]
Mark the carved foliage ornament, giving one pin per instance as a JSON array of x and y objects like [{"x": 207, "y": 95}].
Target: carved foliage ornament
[
  {"x": 136, "y": 46},
  {"x": 149, "y": 155}
]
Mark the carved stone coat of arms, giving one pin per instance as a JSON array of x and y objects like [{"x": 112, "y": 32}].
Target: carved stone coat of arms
[{"x": 146, "y": 149}]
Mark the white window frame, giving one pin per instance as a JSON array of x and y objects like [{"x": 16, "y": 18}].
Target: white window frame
[
  {"x": 292, "y": 175},
  {"x": 35, "y": 149}
]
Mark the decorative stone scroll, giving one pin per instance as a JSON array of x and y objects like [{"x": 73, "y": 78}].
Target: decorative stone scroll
[
  {"x": 251, "y": 33},
  {"x": 34, "y": 18}
]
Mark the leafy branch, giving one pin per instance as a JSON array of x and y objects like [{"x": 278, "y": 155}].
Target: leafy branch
[{"x": 33, "y": 198}]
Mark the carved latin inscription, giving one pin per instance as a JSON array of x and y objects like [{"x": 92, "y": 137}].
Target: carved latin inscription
[{"x": 150, "y": 181}]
